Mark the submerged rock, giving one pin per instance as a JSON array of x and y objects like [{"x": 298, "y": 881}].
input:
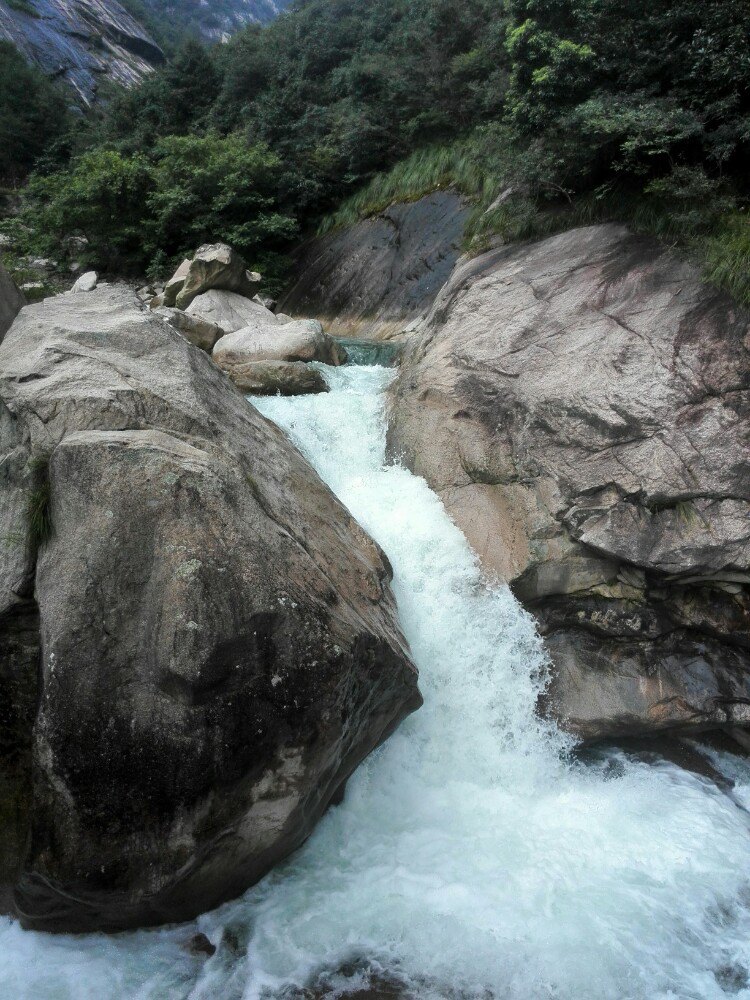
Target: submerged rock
[
  {"x": 11, "y": 301},
  {"x": 218, "y": 642},
  {"x": 581, "y": 405}
]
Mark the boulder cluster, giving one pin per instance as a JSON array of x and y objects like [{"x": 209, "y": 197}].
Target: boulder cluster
[{"x": 214, "y": 302}]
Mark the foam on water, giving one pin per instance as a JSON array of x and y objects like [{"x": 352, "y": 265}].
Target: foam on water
[{"x": 472, "y": 856}]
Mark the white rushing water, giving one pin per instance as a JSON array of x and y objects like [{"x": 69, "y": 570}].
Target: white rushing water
[{"x": 472, "y": 857}]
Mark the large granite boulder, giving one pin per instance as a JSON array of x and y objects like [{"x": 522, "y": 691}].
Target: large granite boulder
[
  {"x": 11, "y": 301},
  {"x": 581, "y": 405},
  {"x": 376, "y": 277},
  {"x": 215, "y": 265},
  {"x": 198, "y": 331},
  {"x": 229, "y": 310},
  {"x": 302, "y": 340},
  {"x": 205, "y": 641}
]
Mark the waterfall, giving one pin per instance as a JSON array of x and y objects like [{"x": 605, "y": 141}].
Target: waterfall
[{"x": 473, "y": 855}]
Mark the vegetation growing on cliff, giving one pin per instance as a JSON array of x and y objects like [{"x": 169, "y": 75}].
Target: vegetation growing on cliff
[
  {"x": 32, "y": 115},
  {"x": 587, "y": 109}
]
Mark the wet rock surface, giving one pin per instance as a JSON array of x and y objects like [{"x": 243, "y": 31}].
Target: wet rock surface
[
  {"x": 581, "y": 405},
  {"x": 374, "y": 278},
  {"x": 214, "y": 637},
  {"x": 271, "y": 378}
]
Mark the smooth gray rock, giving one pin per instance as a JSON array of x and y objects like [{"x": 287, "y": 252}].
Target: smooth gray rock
[
  {"x": 373, "y": 279},
  {"x": 219, "y": 643},
  {"x": 283, "y": 378},
  {"x": 582, "y": 406},
  {"x": 301, "y": 340},
  {"x": 86, "y": 283},
  {"x": 229, "y": 310},
  {"x": 11, "y": 301}
]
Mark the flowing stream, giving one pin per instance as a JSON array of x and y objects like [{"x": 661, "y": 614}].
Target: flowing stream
[{"x": 472, "y": 856}]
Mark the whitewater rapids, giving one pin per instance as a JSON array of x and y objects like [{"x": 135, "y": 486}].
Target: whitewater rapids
[{"x": 472, "y": 856}]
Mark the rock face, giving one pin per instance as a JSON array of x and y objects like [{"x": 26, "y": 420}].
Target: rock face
[
  {"x": 213, "y": 636},
  {"x": 11, "y": 301},
  {"x": 581, "y": 405},
  {"x": 374, "y": 278},
  {"x": 216, "y": 21},
  {"x": 82, "y": 41}
]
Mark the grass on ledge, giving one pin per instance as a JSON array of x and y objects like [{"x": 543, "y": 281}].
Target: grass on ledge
[{"x": 715, "y": 235}]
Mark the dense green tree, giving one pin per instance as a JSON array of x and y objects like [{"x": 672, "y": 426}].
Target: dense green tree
[
  {"x": 33, "y": 115},
  {"x": 588, "y": 108},
  {"x": 135, "y": 208}
]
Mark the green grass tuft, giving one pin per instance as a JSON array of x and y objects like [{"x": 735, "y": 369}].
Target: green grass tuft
[
  {"x": 712, "y": 229},
  {"x": 39, "y": 505}
]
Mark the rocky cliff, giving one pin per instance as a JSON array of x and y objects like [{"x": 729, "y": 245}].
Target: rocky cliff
[
  {"x": 375, "y": 278},
  {"x": 80, "y": 41},
  {"x": 582, "y": 405},
  {"x": 198, "y": 644},
  {"x": 217, "y": 20}
]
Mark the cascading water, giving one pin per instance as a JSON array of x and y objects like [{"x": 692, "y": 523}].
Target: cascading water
[{"x": 471, "y": 857}]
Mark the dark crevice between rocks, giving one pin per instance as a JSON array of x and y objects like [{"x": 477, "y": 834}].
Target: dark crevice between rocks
[{"x": 20, "y": 661}]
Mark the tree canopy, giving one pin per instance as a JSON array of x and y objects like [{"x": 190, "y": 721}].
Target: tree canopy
[{"x": 641, "y": 109}]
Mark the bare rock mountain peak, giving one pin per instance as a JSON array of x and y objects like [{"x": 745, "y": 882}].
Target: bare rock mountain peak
[
  {"x": 81, "y": 41},
  {"x": 216, "y": 20}
]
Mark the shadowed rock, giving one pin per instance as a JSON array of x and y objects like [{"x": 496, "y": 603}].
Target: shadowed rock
[
  {"x": 199, "y": 332},
  {"x": 214, "y": 637},
  {"x": 11, "y": 301},
  {"x": 374, "y": 278},
  {"x": 581, "y": 405},
  {"x": 213, "y": 266},
  {"x": 271, "y": 378}
]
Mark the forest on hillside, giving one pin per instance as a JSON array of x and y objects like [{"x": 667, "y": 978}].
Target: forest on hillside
[{"x": 579, "y": 110}]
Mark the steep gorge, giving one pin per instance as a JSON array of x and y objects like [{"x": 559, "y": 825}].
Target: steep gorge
[{"x": 581, "y": 405}]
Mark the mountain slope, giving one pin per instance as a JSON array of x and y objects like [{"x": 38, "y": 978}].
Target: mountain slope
[
  {"x": 80, "y": 41},
  {"x": 215, "y": 20}
]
